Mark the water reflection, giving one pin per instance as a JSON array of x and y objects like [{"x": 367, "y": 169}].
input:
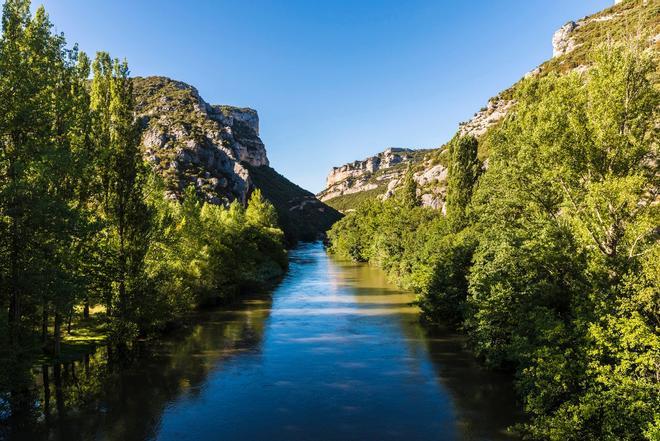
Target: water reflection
[
  {"x": 107, "y": 397},
  {"x": 338, "y": 354}
]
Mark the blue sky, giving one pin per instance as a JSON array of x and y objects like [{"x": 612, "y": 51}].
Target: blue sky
[{"x": 333, "y": 81}]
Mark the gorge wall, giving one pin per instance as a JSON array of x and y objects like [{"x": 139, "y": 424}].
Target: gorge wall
[{"x": 217, "y": 149}]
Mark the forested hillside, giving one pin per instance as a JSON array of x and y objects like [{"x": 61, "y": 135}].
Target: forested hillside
[
  {"x": 548, "y": 256},
  {"x": 90, "y": 247}
]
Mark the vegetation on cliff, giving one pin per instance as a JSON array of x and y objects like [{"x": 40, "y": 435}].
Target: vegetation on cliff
[
  {"x": 630, "y": 17},
  {"x": 549, "y": 260},
  {"x": 83, "y": 220}
]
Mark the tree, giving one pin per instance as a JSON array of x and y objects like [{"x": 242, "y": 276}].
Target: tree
[
  {"x": 408, "y": 191},
  {"x": 20, "y": 130},
  {"x": 567, "y": 213},
  {"x": 127, "y": 217},
  {"x": 464, "y": 169},
  {"x": 39, "y": 161},
  {"x": 260, "y": 212}
]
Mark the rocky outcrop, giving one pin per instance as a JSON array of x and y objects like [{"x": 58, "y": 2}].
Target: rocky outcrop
[
  {"x": 382, "y": 173},
  {"x": 216, "y": 149},
  {"x": 563, "y": 41},
  {"x": 190, "y": 142},
  {"x": 383, "y": 160},
  {"x": 368, "y": 174},
  {"x": 430, "y": 180},
  {"x": 495, "y": 110}
]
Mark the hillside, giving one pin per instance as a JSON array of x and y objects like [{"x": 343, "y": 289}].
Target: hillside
[
  {"x": 301, "y": 215},
  {"x": 217, "y": 149},
  {"x": 571, "y": 45}
]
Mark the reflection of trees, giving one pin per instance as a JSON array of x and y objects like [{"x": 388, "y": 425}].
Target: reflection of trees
[
  {"x": 17, "y": 395},
  {"x": 122, "y": 397},
  {"x": 484, "y": 401}
]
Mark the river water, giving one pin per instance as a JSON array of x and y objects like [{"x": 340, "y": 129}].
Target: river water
[{"x": 336, "y": 353}]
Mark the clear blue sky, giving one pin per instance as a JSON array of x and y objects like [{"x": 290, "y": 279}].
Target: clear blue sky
[{"x": 333, "y": 81}]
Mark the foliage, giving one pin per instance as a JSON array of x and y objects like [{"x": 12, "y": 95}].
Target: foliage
[
  {"x": 208, "y": 253},
  {"x": 462, "y": 177},
  {"x": 408, "y": 192},
  {"x": 299, "y": 214},
  {"x": 84, "y": 224},
  {"x": 552, "y": 266}
]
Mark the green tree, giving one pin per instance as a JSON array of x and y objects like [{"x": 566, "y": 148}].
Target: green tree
[
  {"x": 566, "y": 209},
  {"x": 126, "y": 215},
  {"x": 408, "y": 191},
  {"x": 464, "y": 169},
  {"x": 40, "y": 164},
  {"x": 260, "y": 212}
]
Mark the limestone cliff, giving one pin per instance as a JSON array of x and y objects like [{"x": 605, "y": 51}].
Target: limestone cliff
[
  {"x": 352, "y": 183},
  {"x": 368, "y": 174},
  {"x": 217, "y": 149},
  {"x": 379, "y": 175},
  {"x": 190, "y": 142}
]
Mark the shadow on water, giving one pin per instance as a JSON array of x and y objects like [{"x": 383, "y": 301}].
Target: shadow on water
[
  {"x": 485, "y": 403},
  {"x": 103, "y": 396},
  {"x": 336, "y": 354}
]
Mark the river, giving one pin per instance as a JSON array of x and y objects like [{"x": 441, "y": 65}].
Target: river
[{"x": 335, "y": 353}]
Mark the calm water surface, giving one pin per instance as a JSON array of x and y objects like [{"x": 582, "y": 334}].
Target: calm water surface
[{"x": 336, "y": 354}]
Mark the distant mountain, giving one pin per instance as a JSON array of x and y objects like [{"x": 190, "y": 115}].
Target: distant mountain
[
  {"x": 350, "y": 184},
  {"x": 217, "y": 149},
  {"x": 376, "y": 176}
]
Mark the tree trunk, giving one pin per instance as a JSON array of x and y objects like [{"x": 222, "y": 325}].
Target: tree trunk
[
  {"x": 44, "y": 325},
  {"x": 14, "y": 296},
  {"x": 46, "y": 381},
  {"x": 57, "y": 333},
  {"x": 68, "y": 326},
  {"x": 86, "y": 308},
  {"x": 59, "y": 393},
  {"x": 14, "y": 250}
]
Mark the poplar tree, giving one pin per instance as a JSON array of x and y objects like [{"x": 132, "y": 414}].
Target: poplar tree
[
  {"x": 122, "y": 174},
  {"x": 15, "y": 112},
  {"x": 260, "y": 212},
  {"x": 34, "y": 159},
  {"x": 463, "y": 174},
  {"x": 408, "y": 192}
]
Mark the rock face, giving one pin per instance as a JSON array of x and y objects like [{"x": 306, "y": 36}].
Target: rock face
[
  {"x": 495, "y": 110},
  {"x": 216, "y": 149},
  {"x": 190, "y": 142},
  {"x": 383, "y": 160},
  {"x": 430, "y": 180},
  {"x": 562, "y": 42},
  {"x": 382, "y": 173},
  {"x": 360, "y": 176}
]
